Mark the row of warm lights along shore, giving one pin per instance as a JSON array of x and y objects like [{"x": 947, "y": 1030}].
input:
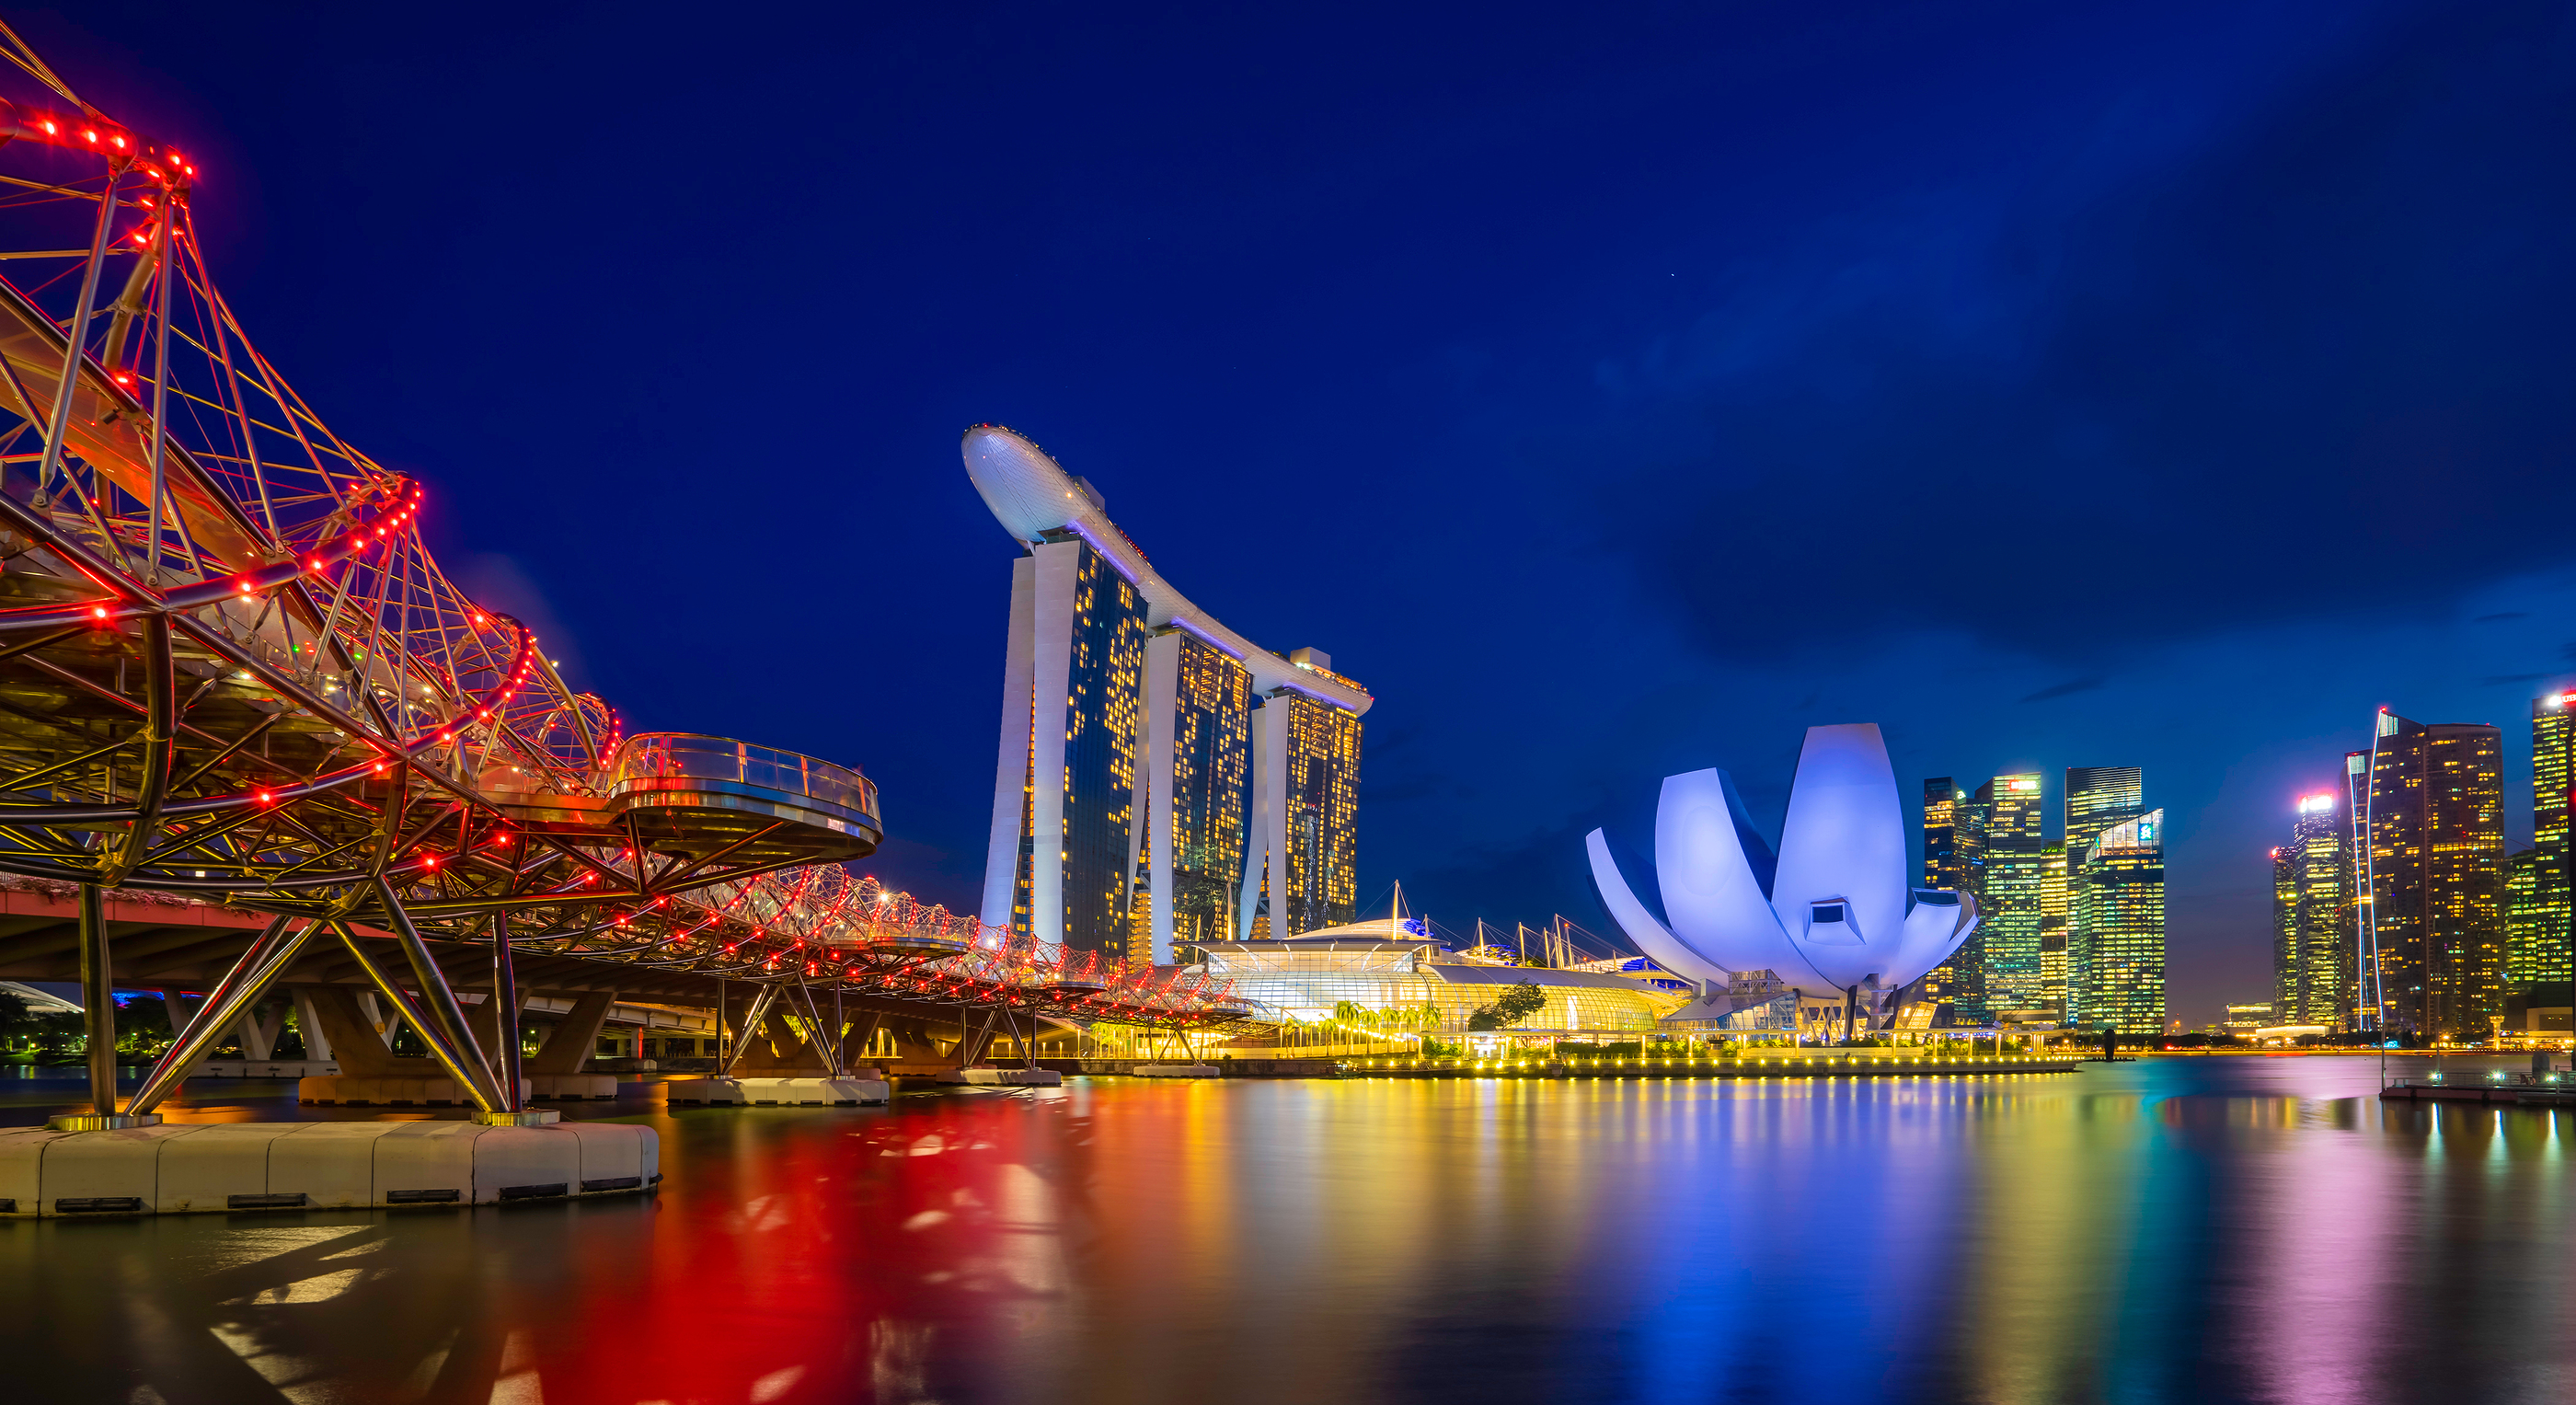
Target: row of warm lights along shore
[{"x": 1934, "y": 1064}]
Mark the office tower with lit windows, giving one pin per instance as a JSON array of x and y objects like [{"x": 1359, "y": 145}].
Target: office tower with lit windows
[
  {"x": 2052, "y": 929},
  {"x": 1305, "y": 866},
  {"x": 2003, "y": 851},
  {"x": 1942, "y": 799},
  {"x": 1196, "y": 770},
  {"x": 2117, "y": 961},
  {"x": 2285, "y": 930},
  {"x": 1188, "y": 783},
  {"x": 2313, "y": 916},
  {"x": 2537, "y": 948},
  {"x": 2523, "y": 922},
  {"x": 2098, "y": 797},
  {"x": 2434, "y": 924}
]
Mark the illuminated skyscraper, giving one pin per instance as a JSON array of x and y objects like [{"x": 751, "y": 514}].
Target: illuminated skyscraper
[
  {"x": 1197, "y": 768},
  {"x": 1942, "y": 870},
  {"x": 2118, "y": 960},
  {"x": 2003, "y": 848},
  {"x": 1154, "y": 802},
  {"x": 2538, "y": 948},
  {"x": 1941, "y": 799},
  {"x": 2313, "y": 912},
  {"x": 2285, "y": 930},
  {"x": 1301, "y": 872},
  {"x": 2523, "y": 922},
  {"x": 2052, "y": 929},
  {"x": 2435, "y": 921},
  {"x": 2098, "y": 797}
]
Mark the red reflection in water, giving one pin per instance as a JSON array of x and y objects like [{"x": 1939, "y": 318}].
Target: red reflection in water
[{"x": 2213, "y": 1231}]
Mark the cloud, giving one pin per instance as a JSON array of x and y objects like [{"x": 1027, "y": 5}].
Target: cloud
[
  {"x": 2072, "y": 685},
  {"x": 2344, "y": 312}
]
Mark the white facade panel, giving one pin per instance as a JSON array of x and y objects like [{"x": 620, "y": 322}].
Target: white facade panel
[{"x": 1011, "y": 769}]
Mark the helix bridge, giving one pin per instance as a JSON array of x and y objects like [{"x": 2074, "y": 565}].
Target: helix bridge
[{"x": 231, "y": 671}]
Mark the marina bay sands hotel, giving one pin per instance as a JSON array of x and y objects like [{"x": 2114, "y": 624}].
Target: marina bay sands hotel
[{"x": 1162, "y": 780}]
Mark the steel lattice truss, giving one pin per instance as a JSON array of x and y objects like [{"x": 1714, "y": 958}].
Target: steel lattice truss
[{"x": 230, "y": 667}]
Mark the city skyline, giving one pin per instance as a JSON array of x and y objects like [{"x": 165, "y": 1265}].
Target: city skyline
[{"x": 1515, "y": 481}]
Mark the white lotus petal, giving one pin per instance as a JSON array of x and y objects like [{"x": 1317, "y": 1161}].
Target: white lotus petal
[{"x": 1640, "y": 925}]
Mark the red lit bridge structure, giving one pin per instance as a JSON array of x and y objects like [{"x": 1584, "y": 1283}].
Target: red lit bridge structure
[{"x": 232, "y": 676}]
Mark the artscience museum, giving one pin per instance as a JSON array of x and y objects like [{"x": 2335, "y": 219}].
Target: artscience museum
[{"x": 1829, "y": 911}]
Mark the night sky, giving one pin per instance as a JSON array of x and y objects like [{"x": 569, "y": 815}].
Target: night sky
[{"x": 1615, "y": 390}]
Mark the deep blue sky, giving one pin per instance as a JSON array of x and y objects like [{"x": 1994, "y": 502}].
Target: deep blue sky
[{"x": 1614, "y": 389}]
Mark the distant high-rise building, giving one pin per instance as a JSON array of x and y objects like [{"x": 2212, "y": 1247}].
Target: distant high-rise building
[
  {"x": 2003, "y": 850},
  {"x": 1942, "y": 869},
  {"x": 2098, "y": 797},
  {"x": 2285, "y": 929},
  {"x": 2523, "y": 922},
  {"x": 2313, "y": 913},
  {"x": 2117, "y": 893},
  {"x": 2052, "y": 928},
  {"x": 2434, "y": 929},
  {"x": 1160, "y": 779},
  {"x": 1941, "y": 797},
  {"x": 2537, "y": 951}
]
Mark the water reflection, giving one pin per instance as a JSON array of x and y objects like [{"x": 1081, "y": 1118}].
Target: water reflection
[{"x": 2219, "y": 1230}]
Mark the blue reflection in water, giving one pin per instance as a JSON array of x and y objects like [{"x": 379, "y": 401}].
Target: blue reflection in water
[{"x": 2224, "y": 1229}]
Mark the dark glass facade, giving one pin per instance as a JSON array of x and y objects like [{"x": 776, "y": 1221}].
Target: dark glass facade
[
  {"x": 2436, "y": 867},
  {"x": 1941, "y": 869}
]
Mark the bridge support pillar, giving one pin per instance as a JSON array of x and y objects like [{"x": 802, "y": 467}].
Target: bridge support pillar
[
  {"x": 308, "y": 1024},
  {"x": 575, "y": 1035},
  {"x": 436, "y": 1017},
  {"x": 266, "y": 959}
]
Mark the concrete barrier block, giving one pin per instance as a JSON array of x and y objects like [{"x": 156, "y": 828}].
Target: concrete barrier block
[
  {"x": 22, "y": 1165},
  {"x": 223, "y": 1167},
  {"x": 614, "y": 1155},
  {"x": 278, "y": 1068},
  {"x": 781, "y": 1092},
  {"x": 116, "y": 1172},
  {"x": 551, "y": 1086},
  {"x": 719, "y": 1091},
  {"x": 331, "y": 1164},
  {"x": 525, "y": 1163},
  {"x": 1003, "y": 1077},
  {"x": 426, "y": 1163}
]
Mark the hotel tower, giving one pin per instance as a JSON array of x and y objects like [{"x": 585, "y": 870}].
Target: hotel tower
[{"x": 1161, "y": 779}]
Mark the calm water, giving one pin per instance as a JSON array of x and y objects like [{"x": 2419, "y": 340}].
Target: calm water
[{"x": 2226, "y": 1229}]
